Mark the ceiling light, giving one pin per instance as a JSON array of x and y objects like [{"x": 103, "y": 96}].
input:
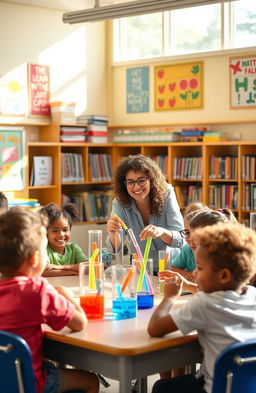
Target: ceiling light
[{"x": 139, "y": 7}]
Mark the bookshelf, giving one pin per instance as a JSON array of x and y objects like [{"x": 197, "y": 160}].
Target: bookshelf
[
  {"x": 85, "y": 193},
  {"x": 199, "y": 188}
]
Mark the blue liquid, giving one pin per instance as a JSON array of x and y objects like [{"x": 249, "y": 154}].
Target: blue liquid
[
  {"x": 124, "y": 308},
  {"x": 145, "y": 300}
]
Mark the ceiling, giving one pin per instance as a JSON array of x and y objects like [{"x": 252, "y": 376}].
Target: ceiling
[{"x": 63, "y": 5}]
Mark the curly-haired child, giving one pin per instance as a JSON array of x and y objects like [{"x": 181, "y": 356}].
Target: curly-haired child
[
  {"x": 225, "y": 262},
  {"x": 63, "y": 256}
]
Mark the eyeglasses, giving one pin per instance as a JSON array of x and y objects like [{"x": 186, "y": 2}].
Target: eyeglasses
[
  {"x": 141, "y": 181},
  {"x": 185, "y": 233}
]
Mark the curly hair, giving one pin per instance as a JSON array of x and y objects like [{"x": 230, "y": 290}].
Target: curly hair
[
  {"x": 158, "y": 185},
  {"x": 231, "y": 246},
  {"x": 3, "y": 201},
  {"x": 53, "y": 212},
  {"x": 20, "y": 237}
]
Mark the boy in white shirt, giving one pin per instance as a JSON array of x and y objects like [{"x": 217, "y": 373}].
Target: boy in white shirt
[{"x": 224, "y": 309}]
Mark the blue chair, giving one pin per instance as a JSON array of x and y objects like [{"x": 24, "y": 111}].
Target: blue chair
[
  {"x": 16, "y": 371},
  {"x": 235, "y": 369}
]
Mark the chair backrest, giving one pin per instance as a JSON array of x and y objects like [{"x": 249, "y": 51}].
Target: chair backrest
[
  {"x": 16, "y": 371},
  {"x": 235, "y": 369}
]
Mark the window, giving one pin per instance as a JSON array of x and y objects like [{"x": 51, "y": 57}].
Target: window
[
  {"x": 186, "y": 30},
  {"x": 195, "y": 29},
  {"x": 138, "y": 40},
  {"x": 244, "y": 24}
]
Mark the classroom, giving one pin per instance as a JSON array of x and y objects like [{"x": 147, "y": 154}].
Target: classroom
[{"x": 177, "y": 85}]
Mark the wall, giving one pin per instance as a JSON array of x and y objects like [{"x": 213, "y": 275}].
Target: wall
[
  {"x": 76, "y": 56},
  {"x": 75, "y": 53},
  {"x": 216, "y": 105}
]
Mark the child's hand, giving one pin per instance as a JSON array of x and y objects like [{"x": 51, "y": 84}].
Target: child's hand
[
  {"x": 169, "y": 273},
  {"x": 66, "y": 292},
  {"x": 173, "y": 287}
]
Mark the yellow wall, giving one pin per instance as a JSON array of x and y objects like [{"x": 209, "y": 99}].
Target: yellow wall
[{"x": 216, "y": 102}]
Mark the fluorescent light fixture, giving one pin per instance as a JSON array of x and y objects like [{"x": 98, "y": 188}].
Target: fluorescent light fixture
[{"x": 139, "y": 7}]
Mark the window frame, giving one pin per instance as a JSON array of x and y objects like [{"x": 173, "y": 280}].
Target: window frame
[{"x": 227, "y": 30}]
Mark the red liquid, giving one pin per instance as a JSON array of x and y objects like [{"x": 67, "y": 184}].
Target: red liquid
[{"x": 93, "y": 306}]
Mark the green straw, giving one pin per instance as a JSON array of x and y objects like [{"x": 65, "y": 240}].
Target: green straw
[{"x": 143, "y": 267}]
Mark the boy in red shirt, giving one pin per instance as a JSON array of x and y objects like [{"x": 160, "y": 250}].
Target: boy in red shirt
[{"x": 27, "y": 300}]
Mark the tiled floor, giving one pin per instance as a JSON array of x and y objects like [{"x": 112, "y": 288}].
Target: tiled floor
[{"x": 114, "y": 388}]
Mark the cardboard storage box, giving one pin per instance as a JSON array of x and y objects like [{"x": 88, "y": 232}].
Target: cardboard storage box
[{"x": 63, "y": 113}]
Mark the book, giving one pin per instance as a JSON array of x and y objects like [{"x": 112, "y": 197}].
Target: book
[
  {"x": 73, "y": 138},
  {"x": 41, "y": 173},
  {"x": 97, "y": 139},
  {"x": 97, "y": 127},
  {"x": 71, "y": 129},
  {"x": 27, "y": 202}
]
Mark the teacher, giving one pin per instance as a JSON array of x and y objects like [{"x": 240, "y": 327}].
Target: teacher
[{"x": 147, "y": 204}]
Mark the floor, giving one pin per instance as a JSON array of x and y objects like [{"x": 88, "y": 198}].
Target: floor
[{"x": 114, "y": 388}]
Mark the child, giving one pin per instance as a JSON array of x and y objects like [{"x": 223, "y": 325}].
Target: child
[
  {"x": 223, "y": 311},
  {"x": 27, "y": 300},
  {"x": 63, "y": 257},
  {"x": 184, "y": 264},
  {"x": 3, "y": 202}
]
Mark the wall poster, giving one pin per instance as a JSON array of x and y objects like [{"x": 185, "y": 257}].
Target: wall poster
[
  {"x": 12, "y": 165},
  {"x": 13, "y": 92},
  {"x": 179, "y": 86},
  {"x": 137, "y": 90},
  {"x": 242, "y": 71},
  {"x": 39, "y": 90}
]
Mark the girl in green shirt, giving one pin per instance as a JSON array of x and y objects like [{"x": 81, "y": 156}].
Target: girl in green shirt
[{"x": 63, "y": 256}]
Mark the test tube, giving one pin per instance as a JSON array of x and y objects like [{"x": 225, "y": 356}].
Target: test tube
[
  {"x": 119, "y": 247},
  {"x": 95, "y": 241}
]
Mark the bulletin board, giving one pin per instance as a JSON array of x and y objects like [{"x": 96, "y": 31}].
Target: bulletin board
[
  {"x": 39, "y": 90},
  {"x": 12, "y": 160},
  {"x": 179, "y": 86},
  {"x": 242, "y": 71},
  {"x": 137, "y": 90}
]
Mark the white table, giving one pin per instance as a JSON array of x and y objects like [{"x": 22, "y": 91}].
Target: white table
[{"x": 120, "y": 349}]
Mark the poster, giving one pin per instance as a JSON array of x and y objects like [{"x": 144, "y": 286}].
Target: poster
[
  {"x": 12, "y": 159},
  {"x": 137, "y": 88},
  {"x": 39, "y": 90},
  {"x": 13, "y": 92},
  {"x": 242, "y": 71},
  {"x": 179, "y": 86}
]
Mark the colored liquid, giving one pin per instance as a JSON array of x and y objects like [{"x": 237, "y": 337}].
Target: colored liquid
[
  {"x": 124, "y": 308},
  {"x": 145, "y": 300},
  {"x": 93, "y": 306}
]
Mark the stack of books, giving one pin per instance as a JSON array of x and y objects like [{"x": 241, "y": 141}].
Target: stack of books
[
  {"x": 214, "y": 136},
  {"x": 155, "y": 135},
  {"x": 192, "y": 134},
  {"x": 25, "y": 202},
  {"x": 97, "y": 127},
  {"x": 73, "y": 134}
]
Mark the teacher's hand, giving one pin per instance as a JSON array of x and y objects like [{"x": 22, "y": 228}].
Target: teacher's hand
[
  {"x": 113, "y": 225},
  {"x": 151, "y": 231}
]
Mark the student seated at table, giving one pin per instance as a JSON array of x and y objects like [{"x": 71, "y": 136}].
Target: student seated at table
[
  {"x": 27, "y": 300},
  {"x": 184, "y": 264},
  {"x": 224, "y": 309},
  {"x": 63, "y": 256}
]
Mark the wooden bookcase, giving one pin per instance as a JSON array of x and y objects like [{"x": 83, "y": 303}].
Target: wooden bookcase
[{"x": 49, "y": 144}]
